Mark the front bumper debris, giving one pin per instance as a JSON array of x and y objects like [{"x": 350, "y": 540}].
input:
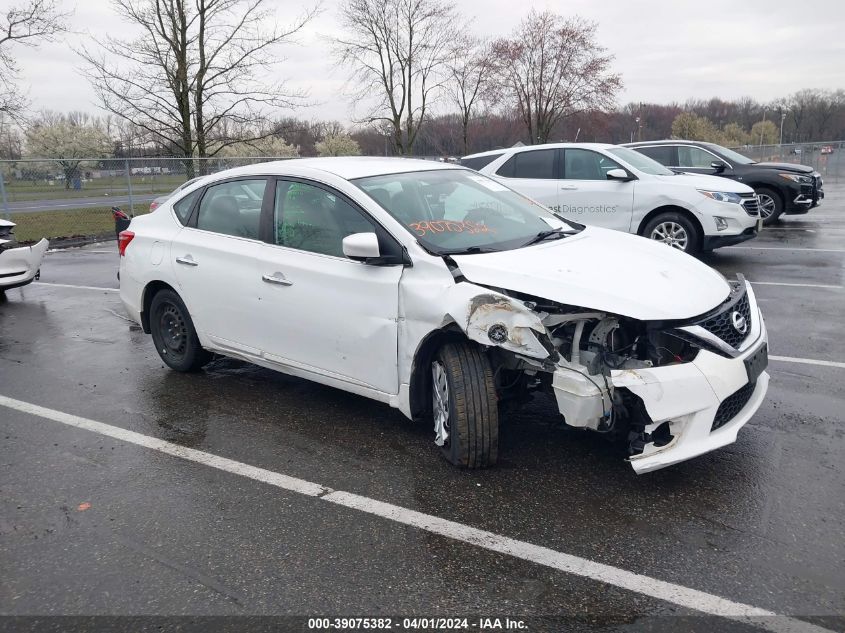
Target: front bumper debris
[{"x": 19, "y": 266}]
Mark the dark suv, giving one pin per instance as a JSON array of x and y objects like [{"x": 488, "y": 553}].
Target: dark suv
[{"x": 782, "y": 187}]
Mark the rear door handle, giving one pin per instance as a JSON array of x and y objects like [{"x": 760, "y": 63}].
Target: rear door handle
[
  {"x": 277, "y": 278},
  {"x": 568, "y": 187},
  {"x": 187, "y": 260}
]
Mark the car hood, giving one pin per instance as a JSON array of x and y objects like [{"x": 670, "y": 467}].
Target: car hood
[
  {"x": 705, "y": 181},
  {"x": 793, "y": 167},
  {"x": 604, "y": 270}
]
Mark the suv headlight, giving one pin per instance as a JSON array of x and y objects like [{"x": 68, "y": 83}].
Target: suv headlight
[
  {"x": 722, "y": 196},
  {"x": 805, "y": 180}
]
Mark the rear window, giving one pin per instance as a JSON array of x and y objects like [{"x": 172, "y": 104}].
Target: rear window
[
  {"x": 478, "y": 162},
  {"x": 538, "y": 163},
  {"x": 663, "y": 154},
  {"x": 183, "y": 207}
]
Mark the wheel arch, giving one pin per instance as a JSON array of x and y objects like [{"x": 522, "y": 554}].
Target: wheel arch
[
  {"x": 672, "y": 208},
  {"x": 420, "y": 382},
  {"x": 150, "y": 291}
]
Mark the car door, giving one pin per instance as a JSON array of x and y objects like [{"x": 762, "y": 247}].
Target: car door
[
  {"x": 215, "y": 258},
  {"x": 321, "y": 311},
  {"x": 697, "y": 160},
  {"x": 588, "y": 196},
  {"x": 533, "y": 173}
]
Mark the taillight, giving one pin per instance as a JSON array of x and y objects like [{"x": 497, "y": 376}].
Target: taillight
[
  {"x": 153, "y": 206},
  {"x": 123, "y": 239}
]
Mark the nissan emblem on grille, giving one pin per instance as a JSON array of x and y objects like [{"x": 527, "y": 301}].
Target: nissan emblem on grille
[{"x": 739, "y": 323}]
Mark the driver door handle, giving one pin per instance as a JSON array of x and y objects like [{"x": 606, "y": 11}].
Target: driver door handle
[
  {"x": 187, "y": 260},
  {"x": 568, "y": 187},
  {"x": 277, "y": 278}
]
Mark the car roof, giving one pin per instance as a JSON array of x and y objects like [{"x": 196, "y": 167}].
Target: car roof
[
  {"x": 523, "y": 148},
  {"x": 347, "y": 167},
  {"x": 664, "y": 141}
]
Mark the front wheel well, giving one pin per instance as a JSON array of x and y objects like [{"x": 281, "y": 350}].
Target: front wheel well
[
  {"x": 420, "y": 400},
  {"x": 669, "y": 208},
  {"x": 150, "y": 291}
]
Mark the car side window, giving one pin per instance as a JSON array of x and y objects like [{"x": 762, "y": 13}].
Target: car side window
[
  {"x": 313, "y": 219},
  {"x": 689, "y": 156},
  {"x": 233, "y": 208},
  {"x": 534, "y": 164},
  {"x": 583, "y": 164},
  {"x": 663, "y": 154},
  {"x": 183, "y": 207}
]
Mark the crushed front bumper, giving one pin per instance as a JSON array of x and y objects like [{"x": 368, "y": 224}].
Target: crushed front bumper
[{"x": 18, "y": 266}]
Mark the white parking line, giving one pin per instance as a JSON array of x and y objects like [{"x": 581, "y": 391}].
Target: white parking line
[
  {"x": 47, "y": 283},
  {"x": 780, "y": 283},
  {"x": 808, "y": 361},
  {"x": 787, "y": 248},
  {"x": 661, "y": 590}
]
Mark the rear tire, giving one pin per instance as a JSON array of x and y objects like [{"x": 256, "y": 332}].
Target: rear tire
[
  {"x": 465, "y": 408},
  {"x": 174, "y": 334},
  {"x": 675, "y": 230},
  {"x": 771, "y": 205}
]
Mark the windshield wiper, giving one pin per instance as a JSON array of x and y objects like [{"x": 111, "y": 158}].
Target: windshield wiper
[
  {"x": 551, "y": 233},
  {"x": 469, "y": 250}
]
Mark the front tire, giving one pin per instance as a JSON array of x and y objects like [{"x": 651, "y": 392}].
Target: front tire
[
  {"x": 174, "y": 334},
  {"x": 675, "y": 230},
  {"x": 771, "y": 205},
  {"x": 465, "y": 409}
]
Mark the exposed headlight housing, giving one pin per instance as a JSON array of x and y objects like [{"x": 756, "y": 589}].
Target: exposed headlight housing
[
  {"x": 722, "y": 196},
  {"x": 805, "y": 180},
  {"x": 721, "y": 223}
]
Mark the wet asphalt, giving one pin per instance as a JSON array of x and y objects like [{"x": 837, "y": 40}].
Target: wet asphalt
[{"x": 760, "y": 522}]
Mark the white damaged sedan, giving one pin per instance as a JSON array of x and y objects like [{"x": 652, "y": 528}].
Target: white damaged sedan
[
  {"x": 19, "y": 265},
  {"x": 446, "y": 294}
]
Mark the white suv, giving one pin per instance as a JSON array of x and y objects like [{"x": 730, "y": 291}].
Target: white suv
[{"x": 618, "y": 188}]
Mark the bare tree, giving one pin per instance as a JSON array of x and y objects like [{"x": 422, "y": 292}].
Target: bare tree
[
  {"x": 397, "y": 50},
  {"x": 27, "y": 24},
  {"x": 552, "y": 68},
  {"x": 470, "y": 68},
  {"x": 195, "y": 64}
]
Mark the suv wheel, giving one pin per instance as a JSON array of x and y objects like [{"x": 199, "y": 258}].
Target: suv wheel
[
  {"x": 174, "y": 334},
  {"x": 771, "y": 205},
  {"x": 464, "y": 406},
  {"x": 673, "y": 229}
]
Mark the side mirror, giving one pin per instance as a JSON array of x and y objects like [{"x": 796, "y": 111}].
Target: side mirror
[
  {"x": 361, "y": 246},
  {"x": 618, "y": 174},
  {"x": 718, "y": 165}
]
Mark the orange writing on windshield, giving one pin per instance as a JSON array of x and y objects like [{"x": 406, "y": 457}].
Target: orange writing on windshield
[{"x": 425, "y": 227}]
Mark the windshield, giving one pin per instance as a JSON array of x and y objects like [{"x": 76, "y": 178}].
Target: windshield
[
  {"x": 458, "y": 210},
  {"x": 732, "y": 156},
  {"x": 641, "y": 162}
]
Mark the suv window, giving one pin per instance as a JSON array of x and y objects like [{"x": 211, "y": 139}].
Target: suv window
[
  {"x": 183, "y": 207},
  {"x": 539, "y": 163},
  {"x": 233, "y": 208},
  {"x": 480, "y": 161},
  {"x": 313, "y": 219},
  {"x": 663, "y": 154},
  {"x": 583, "y": 164},
  {"x": 689, "y": 156}
]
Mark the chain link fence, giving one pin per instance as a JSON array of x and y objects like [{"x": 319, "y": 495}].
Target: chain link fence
[
  {"x": 826, "y": 157},
  {"x": 70, "y": 201}
]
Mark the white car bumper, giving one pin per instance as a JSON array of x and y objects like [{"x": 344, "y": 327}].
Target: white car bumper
[
  {"x": 689, "y": 396},
  {"x": 18, "y": 266}
]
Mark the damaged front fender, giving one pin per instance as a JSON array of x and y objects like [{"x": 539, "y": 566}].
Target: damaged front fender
[{"x": 494, "y": 319}]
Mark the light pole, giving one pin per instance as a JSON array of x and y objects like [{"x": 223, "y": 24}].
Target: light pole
[{"x": 782, "y": 119}]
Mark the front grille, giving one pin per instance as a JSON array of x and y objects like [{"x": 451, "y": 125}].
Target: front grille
[
  {"x": 751, "y": 204},
  {"x": 722, "y": 324},
  {"x": 732, "y": 405}
]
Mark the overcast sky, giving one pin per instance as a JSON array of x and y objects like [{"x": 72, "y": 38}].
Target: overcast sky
[{"x": 666, "y": 50}]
